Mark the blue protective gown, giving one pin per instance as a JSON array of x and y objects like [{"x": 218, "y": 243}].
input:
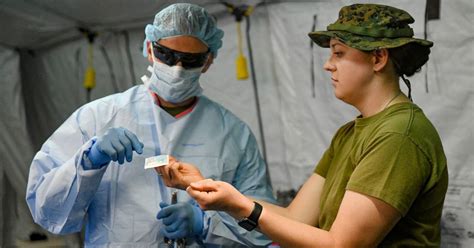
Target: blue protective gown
[{"x": 118, "y": 203}]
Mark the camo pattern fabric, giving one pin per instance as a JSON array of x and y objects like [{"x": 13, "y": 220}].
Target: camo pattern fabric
[
  {"x": 374, "y": 16},
  {"x": 370, "y": 26}
]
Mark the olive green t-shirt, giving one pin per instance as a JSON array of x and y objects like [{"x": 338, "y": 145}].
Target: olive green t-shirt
[{"x": 397, "y": 157}]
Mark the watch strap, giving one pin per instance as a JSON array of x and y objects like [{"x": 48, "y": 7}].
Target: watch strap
[
  {"x": 256, "y": 212},
  {"x": 251, "y": 222}
]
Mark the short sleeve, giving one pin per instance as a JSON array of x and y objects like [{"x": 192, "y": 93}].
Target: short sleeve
[
  {"x": 324, "y": 163},
  {"x": 393, "y": 169},
  {"x": 323, "y": 166}
]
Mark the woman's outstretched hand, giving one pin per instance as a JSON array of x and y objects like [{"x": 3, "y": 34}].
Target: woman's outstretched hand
[
  {"x": 221, "y": 196},
  {"x": 178, "y": 174}
]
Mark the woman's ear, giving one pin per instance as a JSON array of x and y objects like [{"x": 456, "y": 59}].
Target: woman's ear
[
  {"x": 208, "y": 63},
  {"x": 380, "y": 59}
]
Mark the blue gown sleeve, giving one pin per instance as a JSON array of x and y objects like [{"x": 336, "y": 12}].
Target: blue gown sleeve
[
  {"x": 59, "y": 190},
  {"x": 251, "y": 180}
]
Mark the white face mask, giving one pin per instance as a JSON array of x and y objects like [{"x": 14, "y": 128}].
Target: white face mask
[{"x": 174, "y": 83}]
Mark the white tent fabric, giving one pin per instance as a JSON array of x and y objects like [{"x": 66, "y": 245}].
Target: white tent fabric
[
  {"x": 42, "y": 85},
  {"x": 16, "y": 153},
  {"x": 16, "y": 150},
  {"x": 450, "y": 104}
]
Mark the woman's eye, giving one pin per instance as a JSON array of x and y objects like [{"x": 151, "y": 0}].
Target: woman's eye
[{"x": 338, "y": 54}]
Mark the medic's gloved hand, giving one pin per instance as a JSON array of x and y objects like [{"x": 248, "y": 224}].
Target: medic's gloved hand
[
  {"x": 116, "y": 144},
  {"x": 181, "y": 220}
]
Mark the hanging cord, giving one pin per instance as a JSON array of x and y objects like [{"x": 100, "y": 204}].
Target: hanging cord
[
  {"x": 129, "y": 57},
  {"x": 311, "y": 44},
  {"x": 89, "y": 78},
  {"x": 432, "y": 12},
  {"x": 89, "y": 75},
  {"x": 407, "y": 82},
  {"x": 255, "y": 90},
  {"x": 109, "y": 66},
  {"x": 240, "y": 61},
  {"x": 425, "y": 34},
  {"x": 257, "y": 101},
  {"x": 239, "y": 39},
  {"x": 239, "y": 13}
]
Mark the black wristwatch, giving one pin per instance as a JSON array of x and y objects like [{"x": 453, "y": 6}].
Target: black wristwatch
[{"x": 251, "y": 222}]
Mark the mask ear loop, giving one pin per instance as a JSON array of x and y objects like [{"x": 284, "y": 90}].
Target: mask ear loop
[{"x": 145, "y": 79}]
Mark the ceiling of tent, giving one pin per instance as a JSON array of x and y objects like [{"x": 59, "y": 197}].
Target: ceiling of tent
[{"x": 35, "y": 24}]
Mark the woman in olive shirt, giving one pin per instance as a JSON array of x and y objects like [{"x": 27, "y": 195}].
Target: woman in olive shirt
[{"x": 384, "y": 177}]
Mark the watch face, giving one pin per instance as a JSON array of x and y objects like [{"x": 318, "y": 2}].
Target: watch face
[{"x": 247, "y": 224}]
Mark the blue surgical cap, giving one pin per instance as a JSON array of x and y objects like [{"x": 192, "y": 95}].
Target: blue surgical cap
[{"x": 184, "y": 19}]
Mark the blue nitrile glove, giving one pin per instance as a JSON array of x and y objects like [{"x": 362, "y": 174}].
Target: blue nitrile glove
[
  {"x": 116, "y": 144},
  {"x": 180, "y": 220}
]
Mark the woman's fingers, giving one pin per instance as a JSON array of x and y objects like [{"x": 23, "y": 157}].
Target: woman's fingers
[
  {"x": 173, "y": 170},
  {"x": 204, "y": 192},
  {"x": 159, "y": 170},
  {"x": 172, "y": 159},
  {"x": 168, "y": 177},
  {"x": 177, "y": 176},
  {"x": 205, "y": 185},
  {"x": 170, "y": 174},
  {"x": 201, "y": 197}
]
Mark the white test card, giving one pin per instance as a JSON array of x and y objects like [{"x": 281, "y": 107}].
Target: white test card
[{"x": 156, "y": 161}]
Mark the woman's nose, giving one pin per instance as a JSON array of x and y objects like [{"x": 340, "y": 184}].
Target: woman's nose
[{"x": 328, "y": 66}]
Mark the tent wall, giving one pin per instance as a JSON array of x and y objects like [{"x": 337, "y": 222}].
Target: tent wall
[
  {"x": 450, "y": 105},
  {"x": 298, "y": 120},
  {"x": 443, "y": 89},
  {"x": 16, "y": 152},
  {"x": 53, "y": 78}
]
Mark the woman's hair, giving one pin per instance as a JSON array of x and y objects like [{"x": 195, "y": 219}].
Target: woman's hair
[{"x": 408, "y": 59}]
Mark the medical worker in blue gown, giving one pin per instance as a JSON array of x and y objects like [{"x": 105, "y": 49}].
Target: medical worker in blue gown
[{"x": 90, "y": 172}]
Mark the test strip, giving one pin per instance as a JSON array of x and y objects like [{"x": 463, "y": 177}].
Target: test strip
[{"x": 156, "y": 161}]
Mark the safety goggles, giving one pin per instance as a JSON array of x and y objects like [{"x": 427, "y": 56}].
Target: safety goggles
[{"x": 172, "y": 57}]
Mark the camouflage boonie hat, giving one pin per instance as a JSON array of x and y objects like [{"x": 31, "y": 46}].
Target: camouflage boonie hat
[{"x": 370, "y": 26}]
